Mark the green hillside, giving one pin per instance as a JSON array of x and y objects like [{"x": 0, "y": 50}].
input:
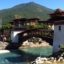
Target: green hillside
[{"x": 27, "y": 10}]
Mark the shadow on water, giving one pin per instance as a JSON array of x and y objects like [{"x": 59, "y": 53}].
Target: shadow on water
[{"x": 21, "y": 57}]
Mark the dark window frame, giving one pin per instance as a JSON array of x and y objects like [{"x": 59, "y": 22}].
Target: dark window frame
[{"x": 59, "y": 28}]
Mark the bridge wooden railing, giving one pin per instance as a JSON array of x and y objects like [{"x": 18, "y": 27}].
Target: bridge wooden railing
[{"x": 40, "y": 32}]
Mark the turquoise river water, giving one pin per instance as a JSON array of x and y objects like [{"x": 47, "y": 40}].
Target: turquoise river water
[{"x": 18, "y": 57}]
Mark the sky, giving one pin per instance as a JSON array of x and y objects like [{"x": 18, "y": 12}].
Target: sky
[{"x": 52, "y": 4}]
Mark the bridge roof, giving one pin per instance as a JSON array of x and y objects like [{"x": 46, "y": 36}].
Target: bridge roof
[
  {"x": 56, "y": 17},
  {"x": 25, "y": 20},
  {"x": 57, "y": 13},
  {"x": 33, "y": 19},
  {"x": 21, "y": 19}
]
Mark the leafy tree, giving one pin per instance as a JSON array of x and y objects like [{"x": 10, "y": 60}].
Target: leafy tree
[
  {"x": 41, "y": 26},
  {"x": 7, "y": 26}
]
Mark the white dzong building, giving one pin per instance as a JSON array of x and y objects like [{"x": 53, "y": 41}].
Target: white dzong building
[{"x": 57, "y": 19}]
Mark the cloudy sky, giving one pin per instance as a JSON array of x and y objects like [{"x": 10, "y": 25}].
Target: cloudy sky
[{"x": 53, "y": 4}]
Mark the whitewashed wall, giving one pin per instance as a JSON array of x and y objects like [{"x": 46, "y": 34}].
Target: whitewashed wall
[
  {"x": 58, "y": 37},
  {"x": 14, "y": 36},
  {"x": 52, "y": 27}
]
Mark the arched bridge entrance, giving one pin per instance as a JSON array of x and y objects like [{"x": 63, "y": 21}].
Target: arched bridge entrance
[{"x": 46, "y": 35}]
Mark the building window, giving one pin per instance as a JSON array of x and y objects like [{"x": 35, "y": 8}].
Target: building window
[{"x": 59, "y": 27}]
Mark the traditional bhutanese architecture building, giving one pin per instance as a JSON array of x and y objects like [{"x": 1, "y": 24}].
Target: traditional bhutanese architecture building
[
  {"x": 33, "y": 21},
  {"x": 23, "y": 23},
  {"x": 19, "y": 25},
  {"x": 49, "y": 25},
  {"x": 57, "y": 21}
]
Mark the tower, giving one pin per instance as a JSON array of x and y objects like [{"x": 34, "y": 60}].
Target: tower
[{"x": 57, "y": 18}]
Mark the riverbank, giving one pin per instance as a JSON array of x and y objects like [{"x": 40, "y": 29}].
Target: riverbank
[
  {"x": 50, "y": 60},
  {"x": 3, "y": 45},
  {"x": 4, "y": 51}
]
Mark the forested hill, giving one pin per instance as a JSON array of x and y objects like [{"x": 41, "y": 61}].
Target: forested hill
[{"x": 26, "y": 10}]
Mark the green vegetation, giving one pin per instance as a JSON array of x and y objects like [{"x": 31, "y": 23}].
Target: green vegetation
[
  {"x": 6, "y": 26},
  {"x": 62, "y": 47},
  {"x": 41, "y": 26},
  {"x": 30, "y": 27},
  {"x": 37, "y": 26},
  {"x": 28, "y": 10}
]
